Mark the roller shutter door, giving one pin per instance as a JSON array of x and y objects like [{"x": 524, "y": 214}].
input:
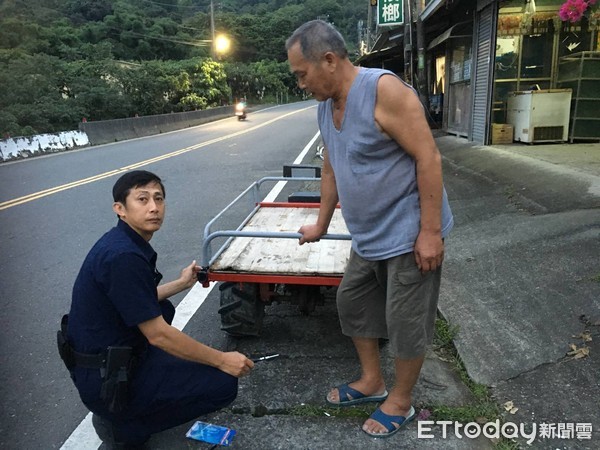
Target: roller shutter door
[{"x": 482, "y": 89}]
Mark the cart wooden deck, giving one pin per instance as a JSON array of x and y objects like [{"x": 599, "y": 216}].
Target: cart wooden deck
[{"x": 272, "y": 255}]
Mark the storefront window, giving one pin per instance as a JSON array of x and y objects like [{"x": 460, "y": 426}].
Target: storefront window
[
  {"x": 460, "y": 70},
  {"x": 524, "y": 51},
  {"x": 536, "y": 56},
  {"x": 507, "y": 57},
  {"x": 574, "y": 39},
  {"x": 459, "y": 91},
  {"x": 440, "y": 75},
  {"x": 501, "y": 90}
]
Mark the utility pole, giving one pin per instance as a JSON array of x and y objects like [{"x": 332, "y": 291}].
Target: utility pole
[
  {"x": 408, "y": 42},
  {"x": 421, "y": 83},
  {"x": 212, "y": 29},
  {"x": 369, "y": 22}
]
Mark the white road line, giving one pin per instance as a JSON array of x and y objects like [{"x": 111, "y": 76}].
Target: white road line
[
  {"x": 84, "y": 437},
  {"x": 190, "y": 304},
  {"x": 280, "y": 184}
]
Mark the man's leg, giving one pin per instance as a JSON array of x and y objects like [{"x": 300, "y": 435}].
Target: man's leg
[
  {"x": 168, "y": 391},
  {"x": 361, "y": 307},
  {"x": 399, "y": 401},
  {"x": 411, "y": 310},
  {"x": 371, "y": 381}
]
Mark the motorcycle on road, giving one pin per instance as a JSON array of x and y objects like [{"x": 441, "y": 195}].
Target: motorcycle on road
[{"x": 240, "y": 110}]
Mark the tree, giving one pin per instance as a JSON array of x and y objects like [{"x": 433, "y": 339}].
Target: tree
[
  {"x": 34, "y": 95},
  {"x": 61, "y": 60},
  {"x": 81, "y": 11}
]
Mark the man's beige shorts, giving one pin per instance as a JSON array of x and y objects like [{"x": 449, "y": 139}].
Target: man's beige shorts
[{"x": 390, "y": 299}]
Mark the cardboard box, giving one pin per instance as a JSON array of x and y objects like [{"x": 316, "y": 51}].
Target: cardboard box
[{"x": 502, "y": 133}]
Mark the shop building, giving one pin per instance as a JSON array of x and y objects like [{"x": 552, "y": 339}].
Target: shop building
[{"x": 478, "y": 54}]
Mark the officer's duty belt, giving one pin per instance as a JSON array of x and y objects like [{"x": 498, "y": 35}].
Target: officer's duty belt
[{"x": 88, "y": 360}]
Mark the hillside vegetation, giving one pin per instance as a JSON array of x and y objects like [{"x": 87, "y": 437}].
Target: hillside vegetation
[{"x": 65, "y": 60}]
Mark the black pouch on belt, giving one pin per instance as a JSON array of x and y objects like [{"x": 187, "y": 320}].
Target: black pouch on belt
[
  {"x": 64, "y": 349},
  {"x": 116, "y": 377}
]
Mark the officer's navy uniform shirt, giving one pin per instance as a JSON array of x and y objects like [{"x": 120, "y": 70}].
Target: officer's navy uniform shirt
[{"x": 114, "y": 292}]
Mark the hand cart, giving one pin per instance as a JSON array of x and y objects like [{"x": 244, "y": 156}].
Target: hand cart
[{"x": 261, "y": 261}]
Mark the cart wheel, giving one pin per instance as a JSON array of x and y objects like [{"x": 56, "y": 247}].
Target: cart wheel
[
  {"x": 308, "y": 298},
  {"x": 241, "y": 309}
]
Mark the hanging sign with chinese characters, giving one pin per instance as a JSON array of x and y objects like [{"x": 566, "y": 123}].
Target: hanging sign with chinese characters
[{"x": 390, "y": 12}]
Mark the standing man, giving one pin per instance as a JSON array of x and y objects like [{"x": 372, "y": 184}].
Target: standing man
[
  {"x": 382, "y": 164},
  {"x": 133, "y": 370}
]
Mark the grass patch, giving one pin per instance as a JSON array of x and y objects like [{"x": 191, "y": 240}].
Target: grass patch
[
  {"x": 484, "y": 408},
  {"x": 444, "y": 334},
  {"x": 480, "y": 413},
  {"x": 509, "y": 192},
  {"x": 595, "y": 278},
  {"x": 312, "y": 410},
  {"x": 444, "y": 346},
  {"x": 506, "y": 444}
]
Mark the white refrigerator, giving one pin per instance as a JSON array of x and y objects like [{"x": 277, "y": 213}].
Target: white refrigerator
[{"x": 539, "y": 115}]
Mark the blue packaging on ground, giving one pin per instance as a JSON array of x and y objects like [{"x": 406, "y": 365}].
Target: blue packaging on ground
[{"x": 208, "y": 432}]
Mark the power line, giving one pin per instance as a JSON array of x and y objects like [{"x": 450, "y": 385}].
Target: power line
[
  {"x": 196, "y": 43},
  {"x": 173, "y": 6}
]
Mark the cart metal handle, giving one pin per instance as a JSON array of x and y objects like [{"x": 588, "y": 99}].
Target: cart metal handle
[
  {"x": 206, "y": 261},
  {"x": 254, "y": 189}
]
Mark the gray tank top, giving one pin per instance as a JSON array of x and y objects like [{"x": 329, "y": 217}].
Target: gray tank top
[{"x": 376, "y": 179}]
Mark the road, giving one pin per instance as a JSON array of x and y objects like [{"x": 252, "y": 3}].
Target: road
[{"x": 52, "y": 210}]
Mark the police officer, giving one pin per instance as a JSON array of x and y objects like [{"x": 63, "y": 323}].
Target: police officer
[{"x": 133, "y": 370}]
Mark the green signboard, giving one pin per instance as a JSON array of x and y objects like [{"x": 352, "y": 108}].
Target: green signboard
[{"x": 390, "y": 12}]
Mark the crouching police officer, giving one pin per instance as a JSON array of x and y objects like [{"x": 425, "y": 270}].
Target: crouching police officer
[{"x": 133, "y": 370}]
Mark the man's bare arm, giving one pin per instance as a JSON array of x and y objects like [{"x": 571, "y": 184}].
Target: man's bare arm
[
  {"x": 329, "y": 200},
  {"x": 162, "y": 335},
  {"x": 400, "y": 114},
  {"x": 186, "y": 280}
]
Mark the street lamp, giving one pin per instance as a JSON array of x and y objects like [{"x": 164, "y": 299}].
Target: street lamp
[{"x": 221, "y": 44}]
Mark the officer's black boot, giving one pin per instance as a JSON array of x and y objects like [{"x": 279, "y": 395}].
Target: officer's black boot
[{"x": 104, "y": 430}]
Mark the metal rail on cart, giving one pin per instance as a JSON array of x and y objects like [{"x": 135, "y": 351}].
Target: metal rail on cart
[{"x": 252, "y": 195}]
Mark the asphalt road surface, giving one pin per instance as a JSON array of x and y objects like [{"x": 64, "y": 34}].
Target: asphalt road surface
[{"x": 52, "y": 210}]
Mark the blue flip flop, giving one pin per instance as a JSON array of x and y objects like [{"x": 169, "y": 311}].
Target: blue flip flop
[
  {"x": 350, "y": 396},
  {"x": 390, "y": 422}
]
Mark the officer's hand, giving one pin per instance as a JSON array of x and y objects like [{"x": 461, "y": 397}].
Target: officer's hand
[
  {"x": 189, "y": 275},
  {"x": 310, "y": 233},
  {"x": 236, "y": 364}
]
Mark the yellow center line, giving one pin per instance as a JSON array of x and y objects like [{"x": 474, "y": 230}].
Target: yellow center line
[{"x": 37, "y": 195}]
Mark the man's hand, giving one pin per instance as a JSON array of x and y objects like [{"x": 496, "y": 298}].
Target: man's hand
[
  {"x": 310, "y": 233},
  {"x": 429, "y": 251},
  {"x": 188, "y": 275},
  {"x": 236, "y": 364},
  {"x": 186, "y": 280}
]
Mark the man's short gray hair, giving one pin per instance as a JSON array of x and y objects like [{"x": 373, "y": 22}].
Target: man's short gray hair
[{"x": 316, "y": 38}]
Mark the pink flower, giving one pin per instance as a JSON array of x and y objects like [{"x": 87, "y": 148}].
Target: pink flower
[{"x": 573, "y": 10}]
